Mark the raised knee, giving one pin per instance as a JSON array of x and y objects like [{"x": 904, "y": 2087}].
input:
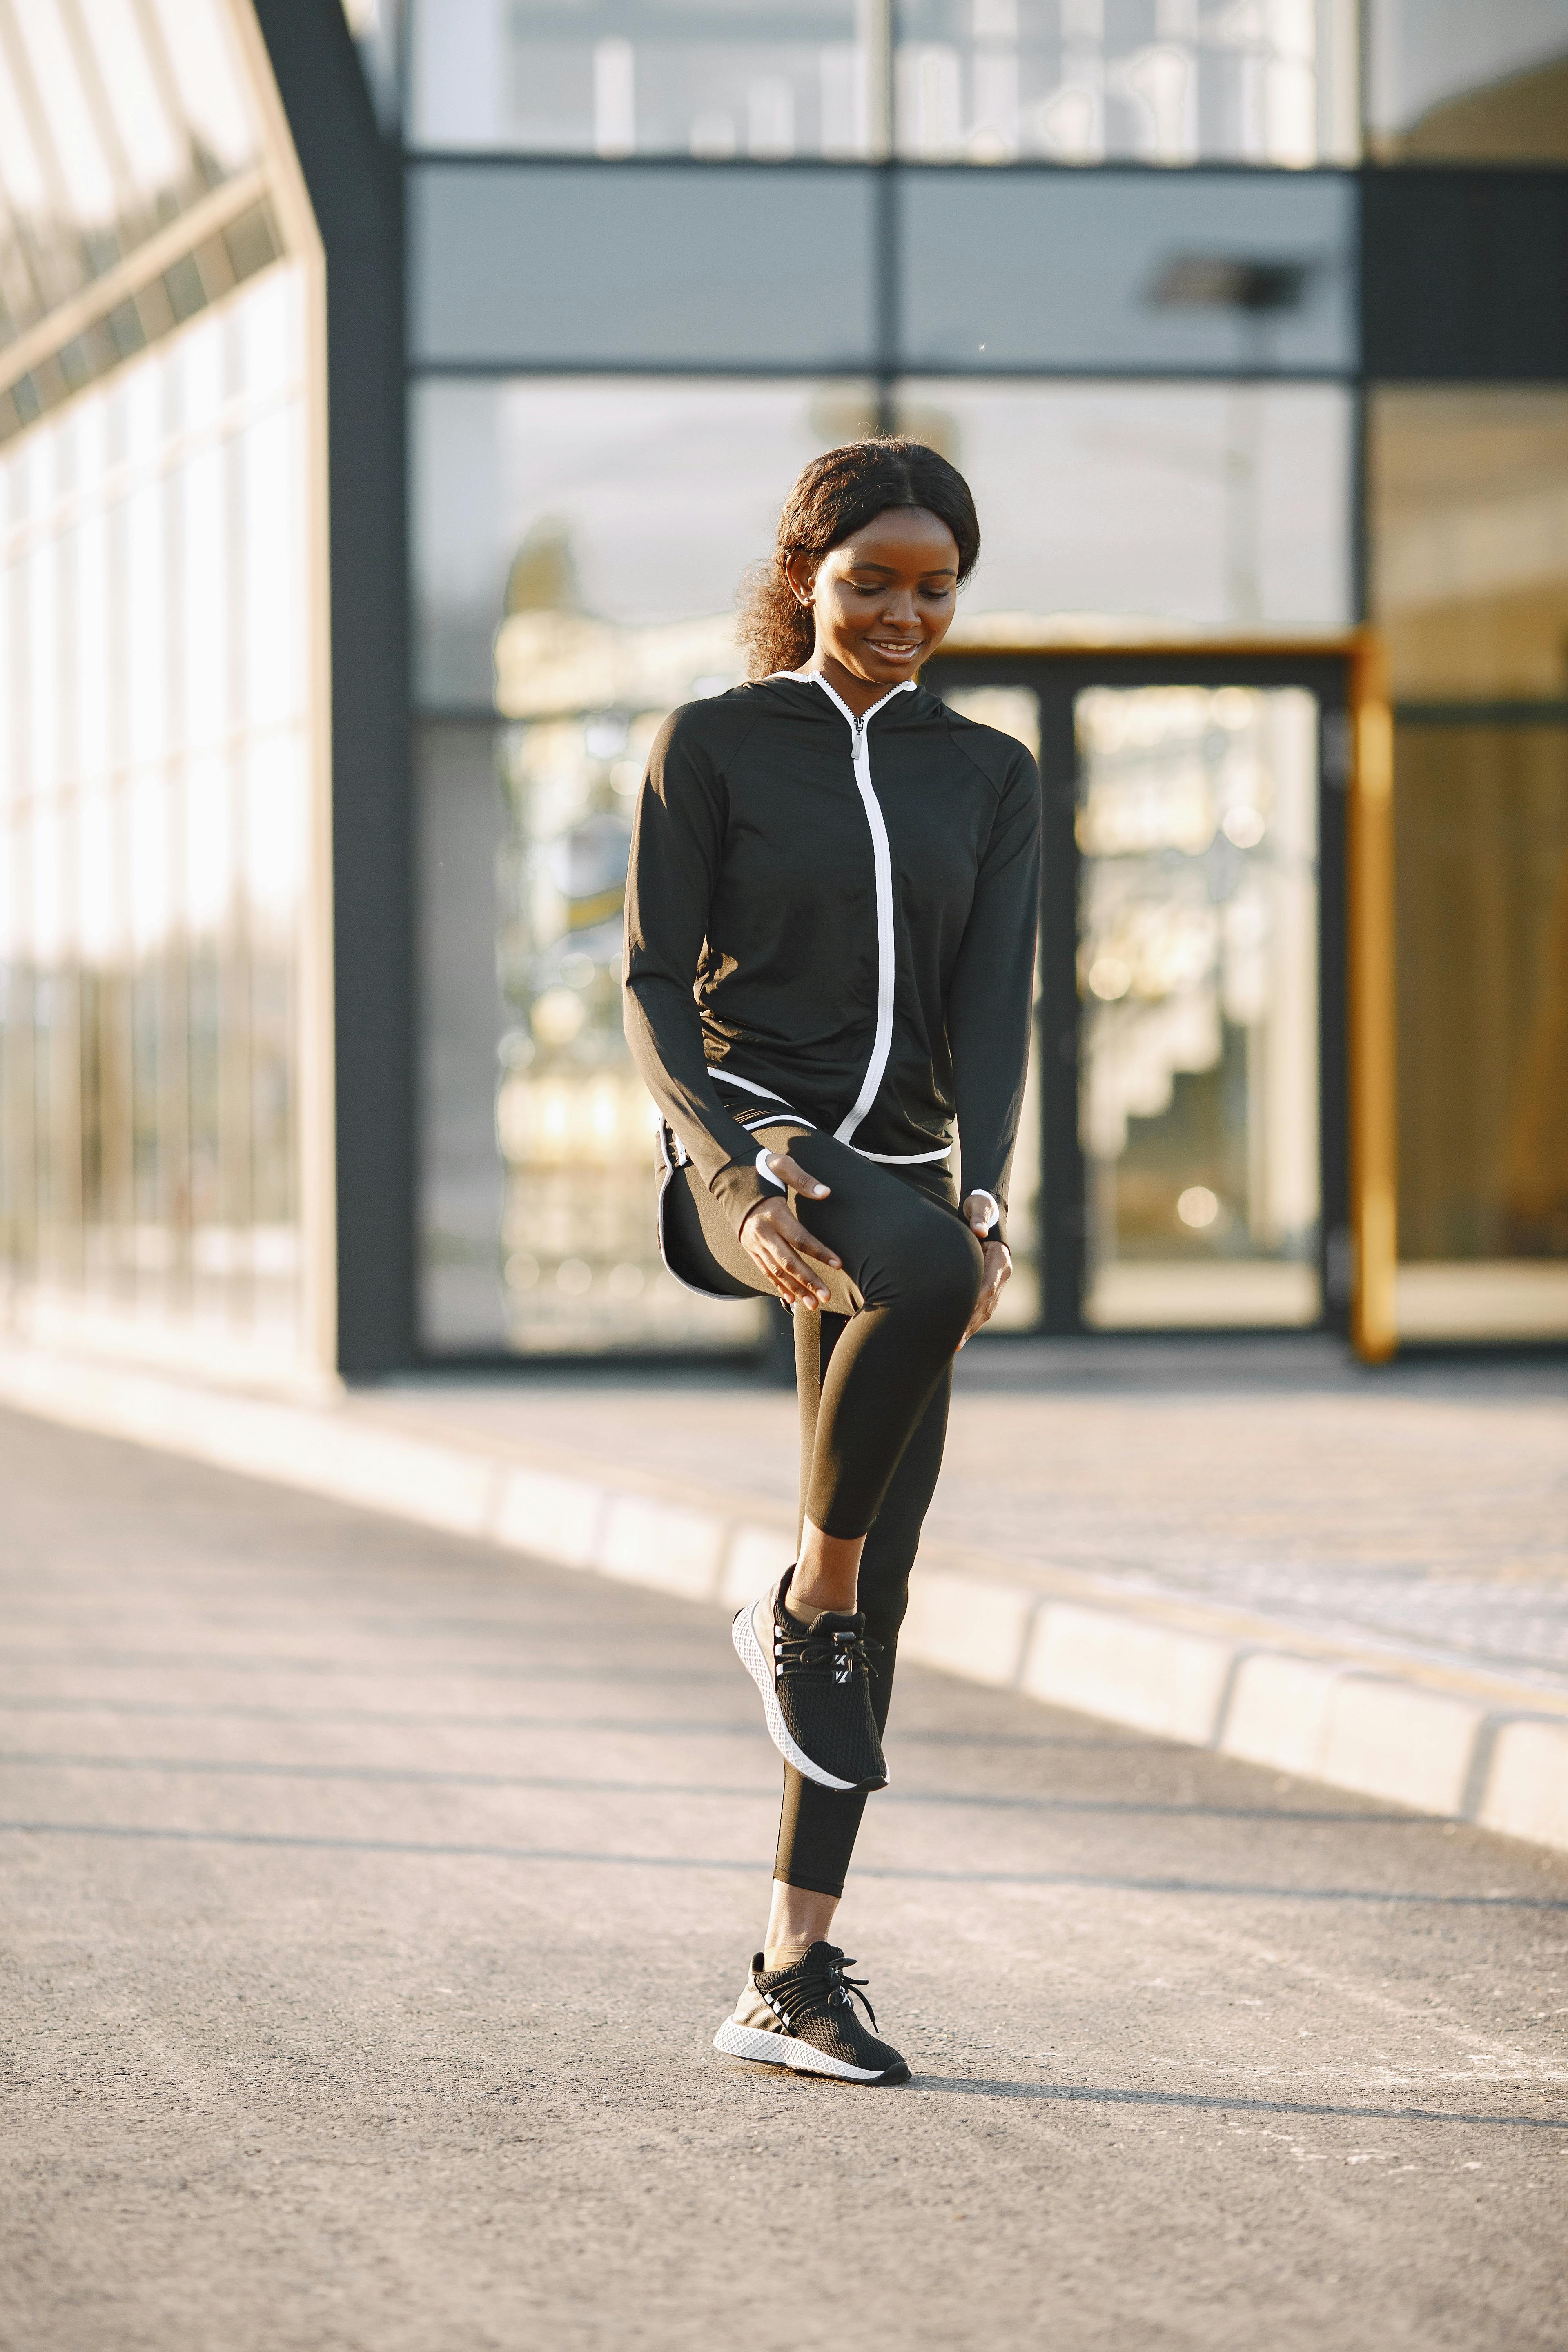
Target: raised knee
[{"x": 939, "y": 1272}]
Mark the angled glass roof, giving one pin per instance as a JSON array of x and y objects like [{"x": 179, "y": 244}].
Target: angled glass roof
[{"x": 130, "y": 185}]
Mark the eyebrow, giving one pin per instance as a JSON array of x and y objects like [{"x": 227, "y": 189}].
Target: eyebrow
[{"x": 932, "y": 572}]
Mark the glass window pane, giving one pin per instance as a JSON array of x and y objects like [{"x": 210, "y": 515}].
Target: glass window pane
[
  {"x": 1455, "y": 80},
  {"x": 1087, "y": 81},
  {"x": 1015, "y": 710},
  {"x": 761, "y": 77},
  {"x": 639, "y": 504},
  {"x": 578, "y": 547},
  {"x": 153, "y": 145},
  {"x": 1198, "y": 973},
  {"x": 1137, "y": 510},
  {"x": 67, "y": 128},
  {"x": 1482, "y": 847},
  {"x": 575, "y": 266},
  {"x": 1126, "y": 271},
  {"x": 1469, "y": 541},
  {"x": 148, "y": 1159},
  {"x": 199, "y": 50}
]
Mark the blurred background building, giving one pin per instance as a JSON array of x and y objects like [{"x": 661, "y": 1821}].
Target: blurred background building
[{"x": 390, "y": 404}]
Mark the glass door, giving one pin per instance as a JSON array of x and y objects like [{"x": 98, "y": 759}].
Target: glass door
[
  {"x": 1181, "y": 1164},
  {"x": 1197, "y": 971}
]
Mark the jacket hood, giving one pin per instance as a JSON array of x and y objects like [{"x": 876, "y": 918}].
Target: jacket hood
[{"x": 801, "y": 697}]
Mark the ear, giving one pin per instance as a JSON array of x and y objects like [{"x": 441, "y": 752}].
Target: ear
[{"x": 801, "y": 572}]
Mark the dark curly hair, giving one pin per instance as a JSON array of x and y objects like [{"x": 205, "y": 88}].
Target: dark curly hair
[{"x": 834, "y": 497}]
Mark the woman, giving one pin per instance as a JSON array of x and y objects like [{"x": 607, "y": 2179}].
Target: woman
[{"x": 830, "y": 942}]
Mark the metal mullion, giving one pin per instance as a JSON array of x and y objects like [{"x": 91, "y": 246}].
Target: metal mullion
[
  {"x": 1506, "y": 713},
  {"x": 174, "y": 1110},
  {"x": 118, "y": 1029},
  {"x": 1063, "y": 1203},
  {"x": 838, "y": 371},
  {"x": 885, "y": 234},
  {"x": 66, "y": 1080},
  {"x": 882, "y": 143},
  {"x": 237, "y": 1119}
]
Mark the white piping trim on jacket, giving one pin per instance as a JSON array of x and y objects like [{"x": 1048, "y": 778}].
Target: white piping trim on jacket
[
  {"x": 753, "y": 1120},
  {"x": 728, "y": 1077},
  {"x": 882, "y": 862},
  {"x": 755, "y": 1125},
  {"x": 903, "y": 1159}
]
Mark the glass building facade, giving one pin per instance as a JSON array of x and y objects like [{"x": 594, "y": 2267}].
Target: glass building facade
[
  {"x": 383, "y": 445},
  {"x": 159, "y": 770},
  {"x": 660, "y": 255}
]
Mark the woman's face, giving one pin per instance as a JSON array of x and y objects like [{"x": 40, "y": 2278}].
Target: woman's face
[{"x": 883, "y": 601}]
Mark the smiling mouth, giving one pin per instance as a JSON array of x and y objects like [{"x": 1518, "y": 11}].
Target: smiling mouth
[{"x": 899, "y": 648}]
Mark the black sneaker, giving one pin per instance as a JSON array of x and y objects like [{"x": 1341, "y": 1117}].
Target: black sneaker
[
  {"x": 804, "y": 2017},
  {"x": 816, "y": 1690}
]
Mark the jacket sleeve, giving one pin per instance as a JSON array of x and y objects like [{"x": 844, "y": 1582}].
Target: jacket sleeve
[
  {"x": 677, "y": 840},
  {"x": 990, "y": 1003}
]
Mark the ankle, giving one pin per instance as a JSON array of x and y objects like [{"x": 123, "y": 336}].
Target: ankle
[
  {"x": 785, "y": 1956},
  {"x": 806, "y": 1596}
]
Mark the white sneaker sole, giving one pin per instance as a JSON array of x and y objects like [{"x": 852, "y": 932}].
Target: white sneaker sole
[
  {"x": 749, "y": 1650},
  {"x": 783, "y": 2050}
]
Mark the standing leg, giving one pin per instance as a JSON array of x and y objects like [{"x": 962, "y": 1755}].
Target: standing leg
[{"x": 817, "y": 1826}]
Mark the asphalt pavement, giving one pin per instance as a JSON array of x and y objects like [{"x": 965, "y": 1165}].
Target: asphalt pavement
[{"x": 371, "y": 1898}]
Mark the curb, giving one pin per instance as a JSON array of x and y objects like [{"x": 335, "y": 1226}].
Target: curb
[{"x": 1482, "y": 1750}]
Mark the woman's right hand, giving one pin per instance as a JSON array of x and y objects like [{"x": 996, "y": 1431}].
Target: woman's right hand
[{"x": 774, "y": 1237}]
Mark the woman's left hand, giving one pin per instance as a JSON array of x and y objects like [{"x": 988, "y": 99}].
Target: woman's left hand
[{"x": 998, "y": 1265}]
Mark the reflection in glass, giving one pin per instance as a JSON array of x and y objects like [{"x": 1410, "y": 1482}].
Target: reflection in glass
[
  {"x": 1015, "y": 710},
  {"x": 114, "y": 122},
  {"x": 1482, "y": 932},
  {"x": 1197, "y": 970},
  {"x": 979, "y": 81},
  {"x": 1090, "y": 81},
  {"x": 578, "y": 548},
  {"x": 1204, "y": 273},
  {"x": 580, "y": 1265},
  {"x": 1468, "y": 514},
  {"x": 616, "y": 78},
  {"x": 153, "y": 787},
  {"x": 1135, "y": 511},
  {"x": 1455, "y": 80}
]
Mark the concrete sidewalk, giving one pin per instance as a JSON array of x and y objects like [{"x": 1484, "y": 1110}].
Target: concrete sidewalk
[{"x": 1358, "y": 1577}]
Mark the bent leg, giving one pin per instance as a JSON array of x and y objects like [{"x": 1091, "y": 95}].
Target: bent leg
[
  {"x": 817, "y": 1826},
  {"x": 912, "y": 1269}
]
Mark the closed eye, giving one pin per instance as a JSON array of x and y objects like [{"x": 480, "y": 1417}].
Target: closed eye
[{"x": 863, "y": 588}]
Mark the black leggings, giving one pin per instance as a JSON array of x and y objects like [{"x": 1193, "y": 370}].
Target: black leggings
[{"x": 874, "y": 1370}]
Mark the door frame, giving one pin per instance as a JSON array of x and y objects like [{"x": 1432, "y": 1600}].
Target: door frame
[{"x": 1357, "y": 1241}]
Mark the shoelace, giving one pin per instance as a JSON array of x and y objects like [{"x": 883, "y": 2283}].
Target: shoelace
[
  {"x": 831, "y": 1983},
  {"x": 837, "y": 1654}
]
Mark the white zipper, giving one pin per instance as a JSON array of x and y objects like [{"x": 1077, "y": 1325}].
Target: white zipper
[{"x": 882, "y": 862}]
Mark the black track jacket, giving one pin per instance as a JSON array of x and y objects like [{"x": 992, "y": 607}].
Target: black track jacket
[{"x": 855, "y": 902}]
